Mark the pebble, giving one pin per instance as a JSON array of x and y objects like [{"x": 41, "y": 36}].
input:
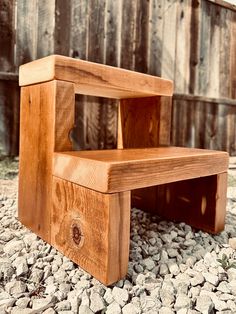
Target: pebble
[
  {"x": 120, "y": 296},
  {"x": 130, "y": 309},
  {"x": 97, "y": 304},
  {"x": 113, "y": 308},
  {"x": 213, "y": 279},
  {"x": 84, "y": 309},
  {"x": 232, "y": 243},
  {"x": 14, "y": 246},
  {"x": 204, "y": 304}
]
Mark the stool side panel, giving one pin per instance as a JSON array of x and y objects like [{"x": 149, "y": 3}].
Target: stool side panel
[{"x": 92, "y": 229}]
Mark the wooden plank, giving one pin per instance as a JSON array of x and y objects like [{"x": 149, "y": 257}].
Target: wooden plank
[
  {"x": 141, "y": 36},
  {"x": 194, "y": 46},
  {"x": 9, "y": 118},
  {"x": 182, "y": 51},
  {"x": 203, "y": 76},
  {"x": 224, "y": 4},
  {"x": 46, "y": 25},
  {"x": 204, "y": 99},
  {"x": 144, "y": 122},
  {"x": 112, "y": 171},
  {"x": 62, "y": 28},
  {"x": 169, "y": 39},
  {"x": 7, "y": 35},
  {"x": 92, "y": 229},
  {"x": 43, "y": 107},
  {"x": 27, "y": 23},
  {"x": 224, "y": 64},
  {"x": 128, "y": 34},
  {"x": 214, "y": 53},
  {"x": 199, "y": 202},
  {"x": 233, "y": 57},
  {"x": 155, "y": 37},
  {"x": 93, "y": 78}
]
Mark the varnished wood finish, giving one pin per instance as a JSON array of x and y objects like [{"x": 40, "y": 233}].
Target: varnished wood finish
[
  {"x": 94, "y": 79},
  {"x": 46, "y": 119},
  {"x": 121, "y": 170},
  {"x": 144, "y": 122},
  {"x": 200, "y": 202},
  {"x": 92, "y": 229}
]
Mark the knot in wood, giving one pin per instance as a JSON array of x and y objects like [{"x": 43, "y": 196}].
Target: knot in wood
[{"x": 76, "y": 233}]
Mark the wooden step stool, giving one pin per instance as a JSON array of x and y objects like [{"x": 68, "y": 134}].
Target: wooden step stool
[{"x": 79, "y": 201}]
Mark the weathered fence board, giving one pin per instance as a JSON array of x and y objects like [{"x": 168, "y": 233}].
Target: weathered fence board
[{"x": 192, "y": 42}]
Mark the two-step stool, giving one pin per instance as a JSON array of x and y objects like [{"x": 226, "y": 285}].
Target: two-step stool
[{"x": 79, "y": 201}]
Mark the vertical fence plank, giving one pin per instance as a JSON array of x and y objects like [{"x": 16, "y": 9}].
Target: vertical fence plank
[
  {"x": 182, "y": 51},
  {"x": 27, "y": 31},
  {"x": 169, "y": 39},
  {"x": 9, "y": 91},
  {"x": 62, "y": 25},
  {"x": 46, "y": 26},
  {"x": 155, "y": 37}
]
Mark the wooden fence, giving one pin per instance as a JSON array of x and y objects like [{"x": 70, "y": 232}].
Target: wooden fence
[{"x": 192, "y": 42}]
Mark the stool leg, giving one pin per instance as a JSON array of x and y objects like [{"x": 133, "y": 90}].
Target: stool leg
[
  {"x": 92, "y": 229},
  {"x": 199, "y": 202}
]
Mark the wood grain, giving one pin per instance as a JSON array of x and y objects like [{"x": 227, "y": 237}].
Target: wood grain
[
  {"x": 144, "y": 122},
  {"x": 45, "y": 124},
  {"x": 92, "y": 229},
  {"x": 199, "y": 202},
  {"x": 94, "y": 79},
  {"x": 112, "y": 171}
]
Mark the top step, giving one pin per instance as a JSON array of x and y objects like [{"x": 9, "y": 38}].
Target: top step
[
  {"x": 117, "y": 170},
  {"x": 94, "y": 79}
]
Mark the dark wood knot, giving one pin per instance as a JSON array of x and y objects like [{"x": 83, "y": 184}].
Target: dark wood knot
[{"x": 76, "y": 233}]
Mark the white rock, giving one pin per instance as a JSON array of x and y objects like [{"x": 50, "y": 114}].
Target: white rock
[
  {"x": 7, "y": 302},
  {"x": 148, "y": 263},
  {"x": 130, "y": 309},
  {"x": 120, "y": 296},
  {"x": 30, "y": 238},
  {"x": 63, "y": 305},
  {"x": 220, "y": 305},
  {"x": 148, "y": 303},
  {"x": 108, "y": 296},
  {"x": 204, "y": 304},
  {"x": 13, "y": 247},
  {"x": 18, "y": 310},
  {"x": 36, "y": 275},
  {"x": 49, "y": 311},
  {"x": 232, "y": 243},
  {"x": 21, "y": 265},
  {"x": 113, "y": 308},
  {"x": 164, "y": 270},
  {"x": 15, "y": 287},
  {"x": 37, "y": 304},
  {"x": 198, "y": 279},
  {"x": 182, "y": 301},
  {"x": 213, "y": 279},
  {"x": 173, "y": 268},
  {"x": 224, "y": 287},
  {"x": 6, "y": 269},
  {"x": 23, "y": 302},
  {"x": 96, "y": 302},
  {"x": 84, "y": 309},
  {"x": 165, "y": 310}
]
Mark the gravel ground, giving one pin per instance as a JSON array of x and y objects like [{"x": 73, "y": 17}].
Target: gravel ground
[{"x": 173, "y": 268}]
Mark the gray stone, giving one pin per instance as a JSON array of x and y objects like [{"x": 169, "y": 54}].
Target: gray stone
[
  {"x": 148, "y": 263},
  {"x": 60, "y": 276},
  {"x": 36, "y": 275},
  {"x": 120, "y": 296},
  {"x": 204, "y": 304},
  {"x": 182, "y": 301},
  {"x": 164, "y": 270},
  {"x": 148, "y": 303},
  {"x": 173, "y": 268},
  {"x": 21, "y": 265},
  {"x": 113, "y": 308},
  {"x": 6, "y": 269}
]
